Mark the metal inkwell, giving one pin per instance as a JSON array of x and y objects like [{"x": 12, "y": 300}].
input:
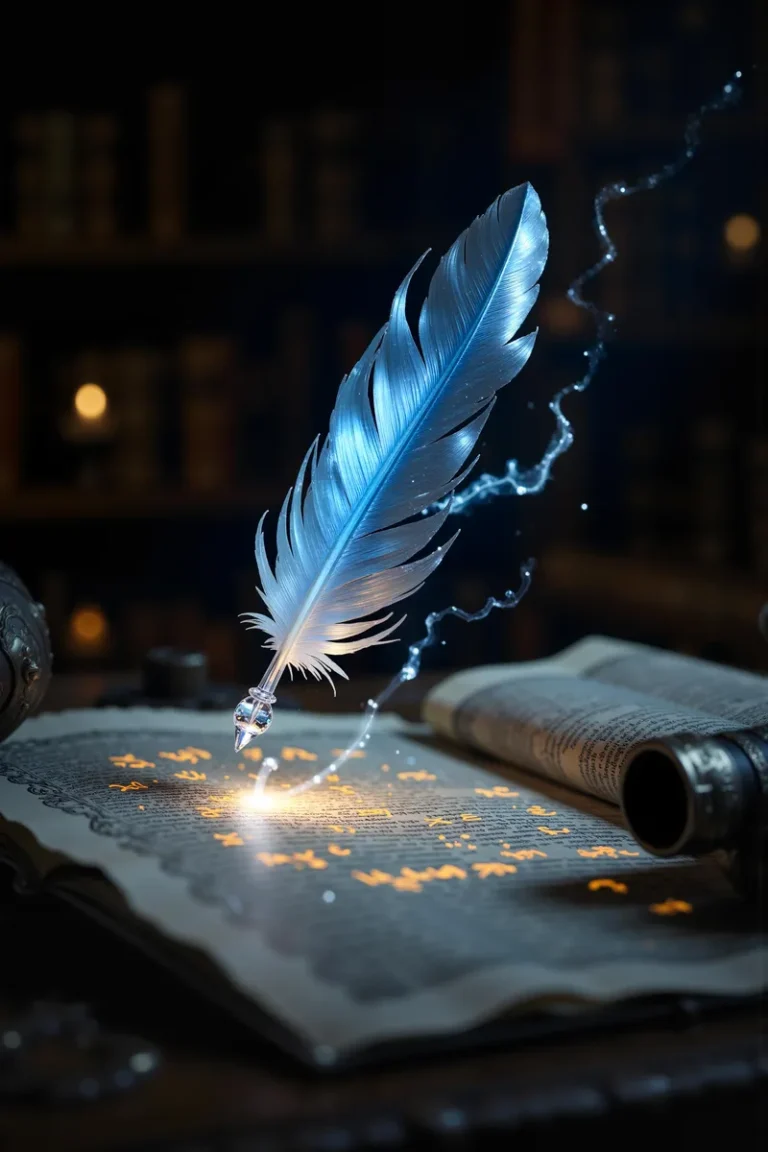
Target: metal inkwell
[{"x": 25, "y": 652}]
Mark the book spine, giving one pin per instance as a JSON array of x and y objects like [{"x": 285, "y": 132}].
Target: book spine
[
  {"x": 135, "y": 461},
  {"x": 208, "y": 366},
  {"x": 98, "y": 177},
  {"x": 293, "y": 374},
  {"x": 542, "y": 78},
  {"x": 142, "y": 626},
  {"x": 10, "y": 414},
  {"x": 59, "y": 175},
  {"x": 642, "y": 453},
  {"x": 758, "y": 504},
  {"x": 335, "y": 178},
  {"x": 712, "y": 492},
  {"x": 167, "y": 163},
  {"x": 29, "y": 176},
  {"x": 604, "y": 80},
  {"x": 220, "y": 645},
  {"x": 354, "y": 338},
  {"x": 279, "y": 183}
]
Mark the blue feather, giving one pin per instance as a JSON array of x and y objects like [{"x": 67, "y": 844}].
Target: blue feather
[{"x": 407, "y": 418}]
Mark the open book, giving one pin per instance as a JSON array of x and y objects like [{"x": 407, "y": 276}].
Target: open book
[
  {"x": 419, "y": 897},
  {"x": 582, "y": 718}
]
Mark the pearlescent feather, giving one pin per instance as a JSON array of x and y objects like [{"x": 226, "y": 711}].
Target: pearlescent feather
[{"x": 406, "y": 422}]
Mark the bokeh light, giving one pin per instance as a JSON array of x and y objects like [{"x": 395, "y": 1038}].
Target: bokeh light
[
  {"x": 88, "y": 629},
  {"x": 90, "y": 401},
  {"x": 742, "y": 232}
]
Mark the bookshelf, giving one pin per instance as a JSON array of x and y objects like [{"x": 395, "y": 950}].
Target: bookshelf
[
  {"x": 204, "y": 251},
  {"x": 64, "y": 504},
  {"x": 219, "y": 326}
]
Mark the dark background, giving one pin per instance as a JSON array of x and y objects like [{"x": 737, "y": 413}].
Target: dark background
[{"x": 211, "y": 230}]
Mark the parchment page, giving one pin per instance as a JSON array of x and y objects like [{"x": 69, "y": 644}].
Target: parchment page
[
  {"x": 415, "y": 895},
  {"x": 575, "y": 717}
]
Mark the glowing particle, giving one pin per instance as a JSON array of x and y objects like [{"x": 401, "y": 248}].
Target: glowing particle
[
  {"x": 497, "y": 790},
  {"x": 297, "y": 754},
  {"x": 553, "y": 831},
  {"x": 336, "y": 850},
  {"x": 597, "y": 851},
  {"x": 523, "y": 853},
  {"x": 584, "y": 507},
  {"x": 128, "y": 760},
  {"x": 488, "y": 868},
  {"x": 670, "y": 907},
  {"x": 421, "y": 775},
  {"x": 186, "y": 755},
  {"x": 611, "y": 885},
  {"x": 229, "y": 839},
  {"x": 328, "y": 896},
  {"x": 537, "y": 810}
]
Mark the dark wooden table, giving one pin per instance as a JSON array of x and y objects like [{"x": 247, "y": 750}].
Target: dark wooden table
[{"x": 682, "y": 1075}]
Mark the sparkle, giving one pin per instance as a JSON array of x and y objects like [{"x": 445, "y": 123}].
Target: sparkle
[{"x": 328, "y": 896}]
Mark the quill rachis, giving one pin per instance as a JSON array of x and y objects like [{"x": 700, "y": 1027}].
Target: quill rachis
[{"x": 405, "y": 422}]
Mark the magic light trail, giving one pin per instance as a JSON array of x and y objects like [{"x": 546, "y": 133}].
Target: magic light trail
[{"x": 517, "y": 481}]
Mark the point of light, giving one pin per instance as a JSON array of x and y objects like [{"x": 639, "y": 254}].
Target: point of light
[
  {"x": 584, "y": 507},
  {"x": 88, "y": 628},
  {"x": 742, "y": 232},
  {"x": 329, "y": 897},
  {"x": 259, "y": 801},
  {"x": 90, "y": 402}
]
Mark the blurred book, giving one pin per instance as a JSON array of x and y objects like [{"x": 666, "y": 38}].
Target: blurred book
[
  {"x": 98, "y": 176},
  {"x": 712, "y": 492},
  {"x": 293, "y": 377},
  {"x": 136, "y": 379},
  {"x": 336, "y": 177},
  {"x": 279, "y": 182},
  {"x": 220, "y": 642},
  {"x": 259, "y": 413},
  {"x": 143, "y": 625},
  {"x": 29, "y": 175},
  {"x": 604, "y": 56},
  {"x": 543, "y": 66},
  {"x": 167, "y": 140},
  {"x": 354, "y": 337},
  {"x": 650, "y": 68},
  {"x": 757, "y": 502},
  {"x": 184, "y": 624},
  {"x": 59, "y": 183},
  {"x": 86, "y": 421},
  {"x": 207, "y": 416},
  {"x": 642, "y": 460},
  {"x": 10, "y": 413}
]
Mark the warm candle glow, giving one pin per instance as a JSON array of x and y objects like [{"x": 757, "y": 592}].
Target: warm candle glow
[
  {"x": 88, "y": 628},
  {"x": 742, "y": 232},
  {"x": 90, "y": 401}
]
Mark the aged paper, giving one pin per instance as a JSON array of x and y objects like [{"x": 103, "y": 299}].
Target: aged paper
[
  {"x": 414, "y": 895},
  {"x": 574, "y": 717}
]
